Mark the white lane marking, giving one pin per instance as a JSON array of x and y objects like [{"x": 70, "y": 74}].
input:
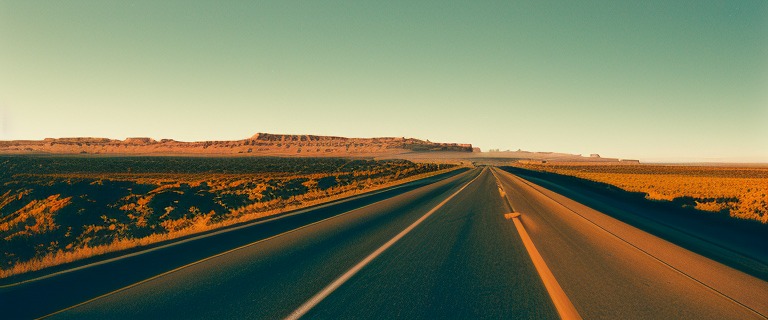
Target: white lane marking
[
  {"x": 213, "y": 233},
  {"x": 325, "y": 292},
  {"x": 193, "y": 263},
  {"x": 206, "y": 259}
]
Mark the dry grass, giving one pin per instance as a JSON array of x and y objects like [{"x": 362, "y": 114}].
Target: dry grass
[
  {"x": 743, "y": 192},
  {"x": 199, "y": 223}
]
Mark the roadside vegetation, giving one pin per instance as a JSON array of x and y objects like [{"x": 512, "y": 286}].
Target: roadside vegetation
[
  {"x": 742, "y": 192},
  {"x": 55, "y": 209}
]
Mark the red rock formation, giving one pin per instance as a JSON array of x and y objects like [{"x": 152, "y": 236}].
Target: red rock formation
[{"x": 258, "y": 144}]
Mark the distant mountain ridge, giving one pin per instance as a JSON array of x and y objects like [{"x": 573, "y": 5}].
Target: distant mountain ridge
[{"x": 259, "y": 144}]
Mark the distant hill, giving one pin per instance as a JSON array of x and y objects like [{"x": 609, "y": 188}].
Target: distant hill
[
  {"x": 263, "y": 144},
  {"x": 501, "y": 158}
]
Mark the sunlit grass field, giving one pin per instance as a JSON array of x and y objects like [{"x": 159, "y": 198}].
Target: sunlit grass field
[
  {"x": 740, "y": 191},
  {"x": 56, "y": 210}
]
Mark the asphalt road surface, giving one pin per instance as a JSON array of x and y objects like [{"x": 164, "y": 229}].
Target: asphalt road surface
[
  {"x": 442, "y": 249},
  {"x": 611, "y": 270}
]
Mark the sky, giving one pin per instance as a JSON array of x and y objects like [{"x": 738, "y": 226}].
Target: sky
[{"x": 650, "y": 80}]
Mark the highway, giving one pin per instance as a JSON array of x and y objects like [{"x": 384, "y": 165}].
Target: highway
[
  {"x": 611, "y": 270},
  {"x": 445, "y": 248}
]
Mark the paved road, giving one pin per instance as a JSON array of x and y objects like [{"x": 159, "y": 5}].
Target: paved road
[
  {"x": 611, "y": 270},
  {"x": 742, "y": 245},
  {"x": 464, "y": 260},
  {"x": 456, "y": 257},
  {"x": 42, "y": 297}
]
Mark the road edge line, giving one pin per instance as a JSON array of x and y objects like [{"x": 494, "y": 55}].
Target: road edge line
[
  {"x": 203, "y": 260},
  {"x": 214, "y": 232},
  {"x": 335, "y": 284}
]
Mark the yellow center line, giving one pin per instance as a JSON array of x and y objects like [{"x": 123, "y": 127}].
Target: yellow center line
[
  {"x": 502, "y": 192},
  {"x": 564, "y": 307},
  {"x": 681, "y": 272}
]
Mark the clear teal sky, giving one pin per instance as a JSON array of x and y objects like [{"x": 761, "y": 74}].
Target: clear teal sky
[{"x": 654, "y": 80}]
